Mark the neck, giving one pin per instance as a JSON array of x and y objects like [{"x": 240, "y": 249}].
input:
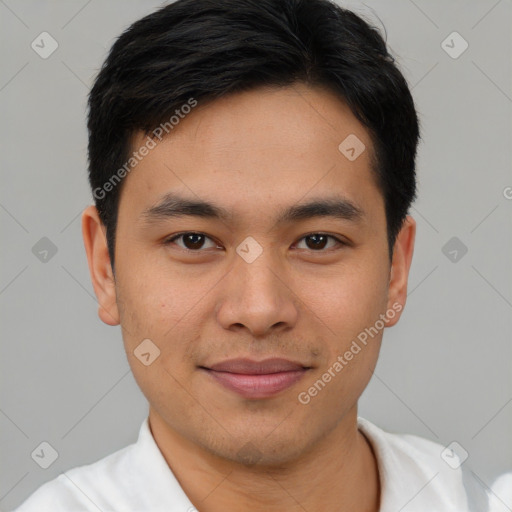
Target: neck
[{"x": 339, "y": 473}]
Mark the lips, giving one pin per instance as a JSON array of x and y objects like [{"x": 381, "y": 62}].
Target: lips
[
  {"x": 256, "y": 379},
  {"x": 249, "y": 367}
]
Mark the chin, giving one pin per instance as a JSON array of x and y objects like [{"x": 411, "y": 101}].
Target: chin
[{"x": 259, "y": 450}]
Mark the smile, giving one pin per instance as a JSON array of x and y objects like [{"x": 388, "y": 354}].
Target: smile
[{"x": 256, "y": 379}]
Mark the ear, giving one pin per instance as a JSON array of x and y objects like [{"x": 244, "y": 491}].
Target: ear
[
  {"x": 102, "y": 277},
  {"x": 400, "y": 265}
]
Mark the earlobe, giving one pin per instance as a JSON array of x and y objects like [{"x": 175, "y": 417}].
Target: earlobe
[
  {"x": 100, "y": 269},
  {"x": 400, "y": 265}
]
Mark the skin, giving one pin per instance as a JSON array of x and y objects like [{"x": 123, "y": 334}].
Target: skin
[{"x": 255, "y": 153}]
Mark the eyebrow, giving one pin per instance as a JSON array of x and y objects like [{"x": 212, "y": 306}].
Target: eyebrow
[{"x": 174, "y": 206}]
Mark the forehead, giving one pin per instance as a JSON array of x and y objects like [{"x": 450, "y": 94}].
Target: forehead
[{"x": 257, "y": 149}]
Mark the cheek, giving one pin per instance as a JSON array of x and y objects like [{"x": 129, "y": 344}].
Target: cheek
[
  {"x": 146, "y": 308},
  {"x": 163, "y": 308},
  {"x": 347, "y": 301},
  {"x": 146, "y": 290}
]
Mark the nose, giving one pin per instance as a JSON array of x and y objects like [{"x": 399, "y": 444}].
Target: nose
[{"x": 257, "y": 297}]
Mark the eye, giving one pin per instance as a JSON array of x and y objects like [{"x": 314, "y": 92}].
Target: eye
[
  {"x": 318, "y": 241},
  {"x": 194, "y": 241},
  {"x": 191, "y": 241}
]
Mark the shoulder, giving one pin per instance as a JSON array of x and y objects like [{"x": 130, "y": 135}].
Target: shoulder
[
  {"x": 417, "y": 473},
  {"x": 81, "y": 488},
  {"x": 501, "y": 493},
  {"x": 134, "y": 479}
]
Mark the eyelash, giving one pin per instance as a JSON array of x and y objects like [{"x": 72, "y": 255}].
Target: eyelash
[{"x": 169, "y": 241}]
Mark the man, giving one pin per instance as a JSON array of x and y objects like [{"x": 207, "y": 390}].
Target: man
[{"x": 253, "y": 164}]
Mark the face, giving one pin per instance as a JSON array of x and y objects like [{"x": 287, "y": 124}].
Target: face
[{"x": 257, "y": 276}]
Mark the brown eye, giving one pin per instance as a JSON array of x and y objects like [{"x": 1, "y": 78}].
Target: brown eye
[
  {"x": 318, "y": 241},
  {"x": 190, "y": 241}
]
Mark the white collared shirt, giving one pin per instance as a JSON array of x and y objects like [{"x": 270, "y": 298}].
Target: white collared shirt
[{"x": 413, "y": 476}]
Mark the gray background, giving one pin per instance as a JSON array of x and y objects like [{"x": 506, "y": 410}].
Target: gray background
[{"x": 445, "y": 370}]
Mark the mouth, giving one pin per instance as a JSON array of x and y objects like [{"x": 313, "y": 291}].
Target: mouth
[{"x": 256, "y": 379}]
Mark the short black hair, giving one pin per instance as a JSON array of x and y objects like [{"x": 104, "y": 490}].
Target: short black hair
[{"x": 201, "y": 50}]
